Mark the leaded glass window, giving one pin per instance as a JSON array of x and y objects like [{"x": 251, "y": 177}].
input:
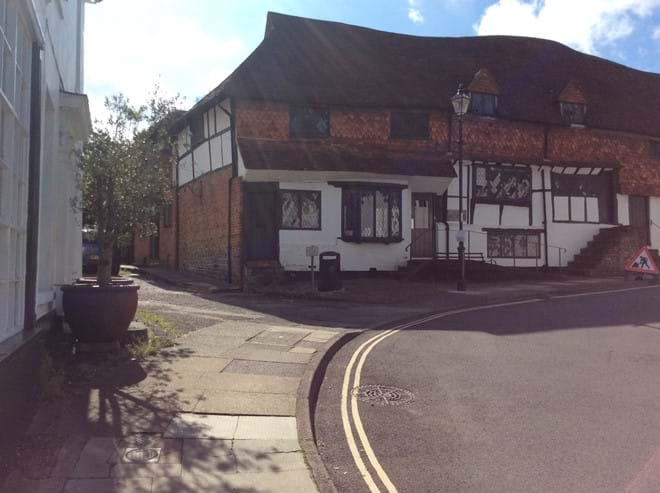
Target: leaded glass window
[
  {"x": 300, "y": 209},
  {"x": 514, "y": 244},
  {"x": 507, "y": 185},
  {"x": 371, "y": 214}
]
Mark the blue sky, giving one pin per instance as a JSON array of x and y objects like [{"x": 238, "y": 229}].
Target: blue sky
[{"x": 190, "y": 46}]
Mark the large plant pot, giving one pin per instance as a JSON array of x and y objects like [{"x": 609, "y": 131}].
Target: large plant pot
[{"x": 99, "y": 314}]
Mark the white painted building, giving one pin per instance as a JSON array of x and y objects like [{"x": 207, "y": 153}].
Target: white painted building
[{"x": 44, "y": 118}]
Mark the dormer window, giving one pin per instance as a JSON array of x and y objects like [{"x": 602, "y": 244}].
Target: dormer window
[
  {"x": 573, "y": 103},
  {"x": 483, "y": 104},
  {"x": 573, "y": 113},
  {"x": 483, "y": 93},
  {"x": 309, "y": 123}
]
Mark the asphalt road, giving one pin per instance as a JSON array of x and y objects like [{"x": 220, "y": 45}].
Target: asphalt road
[{"x": 561, "y": 395}]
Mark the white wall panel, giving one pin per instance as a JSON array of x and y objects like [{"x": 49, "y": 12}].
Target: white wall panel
[
  {"x": 202, "y": 160},
  {"x": 354, "y": 256}
]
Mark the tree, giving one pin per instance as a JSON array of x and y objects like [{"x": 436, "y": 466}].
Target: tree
[{"x": 125, "y": 171}]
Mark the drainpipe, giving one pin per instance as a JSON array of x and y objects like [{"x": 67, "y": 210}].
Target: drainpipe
[
  {"x": 545, "y": 218},
  {"x": 177, "y": 232},
  {"x": 34, "y": 167},
  {"x": 234, "y": 175}
]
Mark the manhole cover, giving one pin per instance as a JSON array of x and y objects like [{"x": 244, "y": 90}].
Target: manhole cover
[
  {"x": 142, "y": 455},
  {"x": 385, "y": 395}
]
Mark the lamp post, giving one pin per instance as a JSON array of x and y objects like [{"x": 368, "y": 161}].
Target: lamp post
[{"x": 461, "y": 102}]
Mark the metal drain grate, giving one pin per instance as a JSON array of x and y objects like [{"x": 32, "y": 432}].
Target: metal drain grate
[
  {"x": 142, "y": 455},
  {"x": 385, "y": 395}
]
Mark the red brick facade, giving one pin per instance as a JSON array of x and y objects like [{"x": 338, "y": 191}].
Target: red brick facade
[
  {"x": 487, "y": 138},
  {"x": 204, "y": 217}
]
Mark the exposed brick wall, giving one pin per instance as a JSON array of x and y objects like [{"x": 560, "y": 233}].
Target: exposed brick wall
[
  {"x": 141, "y": 249},
  {"x": 609, "y": 251},
  {"x": 237, "y": 229},
  {"x": 167, "y": 243},
  {"x": 483, "y": 137},
  {"x": 204, "y": 224}
]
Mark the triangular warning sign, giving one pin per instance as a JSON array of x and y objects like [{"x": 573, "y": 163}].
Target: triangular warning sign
[{"x": 643, "y": 263}]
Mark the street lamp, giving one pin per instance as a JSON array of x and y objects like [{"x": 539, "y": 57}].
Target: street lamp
[{"x": 461, "y": 102}]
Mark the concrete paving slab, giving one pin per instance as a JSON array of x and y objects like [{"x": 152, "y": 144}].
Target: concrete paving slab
[
  {"x": 265, "y": 368},
  {"x": 320, "y": 336},
  {"x": 248, "y": 462},
  {"x": 186, "y": 425},
  {"x": 208, "y": 455},
  {"x": 251, "y": 383},
  {"x": 256, "y": 354},
  {"x": 146, "y": 470},
  {"x": 142, "y": 485},
  {"x": 257, "y": 447},
  {"x": 296, "y": 481},
  {"x": 266, "y": 428},
  {"x": 269, "y": 347},
  {"x": 95, "y": 458},
  {"x": 192, "y": 363},
  {"x": 303, "y": 350},
  {"x": 246, "y": 403},
  {"x": 278, "y": 337}
]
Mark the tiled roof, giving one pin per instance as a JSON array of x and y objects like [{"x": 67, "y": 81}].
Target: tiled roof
[
  {"x": 324, "y": 156},
  {"x": 318, "y": 62}
]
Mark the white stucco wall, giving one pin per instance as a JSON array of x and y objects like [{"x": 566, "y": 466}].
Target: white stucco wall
[
  {"x": 354, "y": 256},
  {"x": 57, "y": 26}
]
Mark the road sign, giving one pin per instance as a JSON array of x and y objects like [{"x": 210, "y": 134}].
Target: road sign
[
  {"x": 643, "y": 263},
  {"x": 312, "y": 251}
]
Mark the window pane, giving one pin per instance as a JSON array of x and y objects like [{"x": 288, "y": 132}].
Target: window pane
[
  {"x": 520, "y": 245},
  {"x": 309, "y": 123},
  {"x": 533, "y": 246},
  {"x": 349, "y": 200},
  {"x": 494, "y": 245},
  {"x": 395, "y": 198},
  {"x": 573, "y": 112},
  {"x": 382, "y": 214},
  {"x": 483, "y": 104},
  {"x": 290, "y": 216},
  {"x": 367, "y": 215},
  {"x": 409, "y": 125},
  {"x": 507, "y": 246},
  {"x": 311, "y": 215}
]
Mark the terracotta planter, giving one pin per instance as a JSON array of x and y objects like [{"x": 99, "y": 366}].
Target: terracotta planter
[{"x": 99, "y": 314}]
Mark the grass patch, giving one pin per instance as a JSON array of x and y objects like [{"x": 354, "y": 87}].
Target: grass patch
[{"x": 162, "y": 334}]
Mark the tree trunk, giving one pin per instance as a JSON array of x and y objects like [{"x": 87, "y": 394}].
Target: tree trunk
[{"x": 104, "y": 272}]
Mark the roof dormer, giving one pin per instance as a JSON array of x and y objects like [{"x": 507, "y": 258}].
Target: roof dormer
[
  {"x": 573, "y": 103},
  {"x": 483, "y": 93}
]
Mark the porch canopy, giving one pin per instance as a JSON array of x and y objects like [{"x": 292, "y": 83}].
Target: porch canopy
[{"x": 425, "y": 169}]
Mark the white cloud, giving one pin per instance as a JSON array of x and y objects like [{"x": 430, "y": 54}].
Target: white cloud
[
  {"x": 656, "y": 34},
  {"x": 132, "y": 45},
  {"x": 583, "y": 24},
  {"x": 414, "y": 13}
]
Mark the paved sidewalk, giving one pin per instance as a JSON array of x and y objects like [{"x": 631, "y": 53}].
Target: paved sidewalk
[
  {"x": 214, "y": 413},
  {"x": 217, "y": 411}
]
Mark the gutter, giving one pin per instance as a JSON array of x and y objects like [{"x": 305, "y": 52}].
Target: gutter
[{"x": 34, "y": 179}]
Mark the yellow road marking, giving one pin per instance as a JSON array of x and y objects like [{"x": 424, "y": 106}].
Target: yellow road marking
[{"x": 354, "y": 412}]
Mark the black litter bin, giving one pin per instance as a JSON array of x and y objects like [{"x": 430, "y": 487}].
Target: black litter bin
[{"x": 329, "y": 271}]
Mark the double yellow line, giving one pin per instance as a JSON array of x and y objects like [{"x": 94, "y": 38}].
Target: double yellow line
[{"x": 350, "y": 415}]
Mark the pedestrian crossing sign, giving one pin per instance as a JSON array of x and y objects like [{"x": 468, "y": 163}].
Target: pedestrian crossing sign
[{"x": 643, "y": 263}]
